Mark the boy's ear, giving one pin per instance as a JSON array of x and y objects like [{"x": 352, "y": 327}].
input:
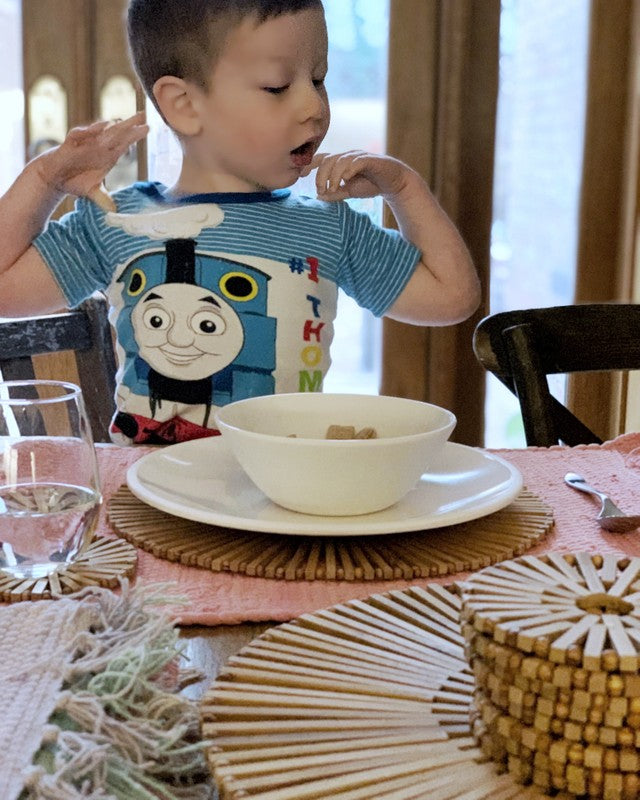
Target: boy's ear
[{"x": 175, "y": 100}]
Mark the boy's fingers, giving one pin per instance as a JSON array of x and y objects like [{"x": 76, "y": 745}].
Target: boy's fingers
[
  {"x": 126, "y": 132},
  {"x": 335, "y": 170},
  {"x": 317, "y": 159},
  {"x": 332, "y": 178},
  {"x": 114, "y": 134},
  {"x": 131, "y": 123},
  {"x": 80, "y": 134},
  {"x": 325, "y": 169},
  {"x": 135, "y": 119},
  {"x": 335, "y": 195},
  {"x": 315, "y": 163},
  {"x": 102, "y": 198}
]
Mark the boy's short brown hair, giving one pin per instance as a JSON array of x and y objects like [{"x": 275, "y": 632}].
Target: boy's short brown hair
[{"x": 183, "y": 38}]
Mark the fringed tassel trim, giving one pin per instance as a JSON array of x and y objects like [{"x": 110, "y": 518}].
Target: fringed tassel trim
[{"x": 120, "y": 730}]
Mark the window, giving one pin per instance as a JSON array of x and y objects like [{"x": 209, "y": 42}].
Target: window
[
  {"x": 539, "y": 139},
  {"x": 11, "y": 95}
]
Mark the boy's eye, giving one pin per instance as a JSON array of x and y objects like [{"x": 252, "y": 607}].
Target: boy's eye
[
  {"x": 276, "y": 89},
  {"x": 318, "y": 82}
]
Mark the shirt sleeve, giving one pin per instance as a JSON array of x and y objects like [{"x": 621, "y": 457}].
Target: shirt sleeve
[
  {"x": 377, "y": 262},
  {"x": 72, "y": 250}
]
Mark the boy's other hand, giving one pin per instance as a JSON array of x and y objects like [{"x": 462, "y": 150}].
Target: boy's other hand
[
  {"x": 357, "y": 174},
  {"x": 79, "y": 165}
]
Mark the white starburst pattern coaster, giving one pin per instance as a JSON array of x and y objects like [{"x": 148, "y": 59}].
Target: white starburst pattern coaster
[{"x": 103, "y": 562}]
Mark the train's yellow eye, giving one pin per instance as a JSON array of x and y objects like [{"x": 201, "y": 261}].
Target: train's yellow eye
[
  {"x": 238, "y": 286},
  {"x": 137, "y": 282}
]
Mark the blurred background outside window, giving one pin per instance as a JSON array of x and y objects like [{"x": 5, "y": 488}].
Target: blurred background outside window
[
  {"x": 11, "y": 94},
  {"x": 539, "y": 138}
]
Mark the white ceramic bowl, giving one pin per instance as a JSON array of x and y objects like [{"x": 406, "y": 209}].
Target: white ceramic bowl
[{"x": 315, "y": 475}]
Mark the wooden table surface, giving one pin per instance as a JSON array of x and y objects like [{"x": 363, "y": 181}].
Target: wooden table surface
[{"x": 208, "y": 649}]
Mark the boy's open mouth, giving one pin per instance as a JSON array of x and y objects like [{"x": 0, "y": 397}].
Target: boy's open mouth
[{"x": 303, "y": 155}]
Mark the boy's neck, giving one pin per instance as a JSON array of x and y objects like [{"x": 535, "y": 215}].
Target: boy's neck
[{"x": 196, "y": 181}]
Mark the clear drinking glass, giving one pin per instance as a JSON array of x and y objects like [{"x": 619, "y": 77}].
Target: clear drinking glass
[{"x": 49, "y": 483}]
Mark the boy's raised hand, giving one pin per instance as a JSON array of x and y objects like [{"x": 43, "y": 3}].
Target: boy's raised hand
[
  {"x": 357, "y": 174},
  {"x": 444, "y": 287},
  {"x": 79, "y": 165}
]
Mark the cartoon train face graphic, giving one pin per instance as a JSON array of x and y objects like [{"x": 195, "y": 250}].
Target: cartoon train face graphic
[{"x": 195, "y": 327}]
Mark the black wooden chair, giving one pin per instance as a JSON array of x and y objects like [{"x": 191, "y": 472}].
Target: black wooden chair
[
  {"x": 86, "y": 332},
  {"x": 522, "y": 347}
]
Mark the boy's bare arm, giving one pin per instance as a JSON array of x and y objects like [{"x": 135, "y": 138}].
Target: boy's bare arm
[
  {"x": 77, "y": 166},
  {"x": 444, "y": 289}
]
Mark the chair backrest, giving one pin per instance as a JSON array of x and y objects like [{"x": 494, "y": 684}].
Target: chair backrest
[
  {"x": 522, "y": 347},
  {"x": 86, "y": 332}
]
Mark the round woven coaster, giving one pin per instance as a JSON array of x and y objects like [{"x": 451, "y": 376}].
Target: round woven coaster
[
  {"x": 103, "y": 563},
  {"x": 554, "y": 644},
  {"x": 367, "y": 699},
  {"x": 419, "y": 554},
  {"x": 579, "y": 609}
]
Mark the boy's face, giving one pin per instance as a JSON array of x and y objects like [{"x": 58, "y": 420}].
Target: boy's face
[{"x": 266, "y": 110}]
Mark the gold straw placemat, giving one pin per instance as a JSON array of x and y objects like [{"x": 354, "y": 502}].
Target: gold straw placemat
[
  {"x": 418, "y": 554},
  {"x": 375, "y": 698},
  {"x": 367, "y": 699}
]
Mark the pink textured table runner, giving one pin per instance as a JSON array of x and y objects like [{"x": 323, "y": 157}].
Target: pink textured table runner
[{"x": 222, "y": 598}]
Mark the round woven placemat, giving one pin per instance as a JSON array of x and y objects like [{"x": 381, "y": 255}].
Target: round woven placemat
[
  {"x": 419, "y": 554},
  {"x": 103, "y": 563},
  {"x": 368, "y": 699}
]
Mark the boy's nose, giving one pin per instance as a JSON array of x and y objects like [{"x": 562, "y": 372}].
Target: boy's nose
[{"x": 313, "y": 103}]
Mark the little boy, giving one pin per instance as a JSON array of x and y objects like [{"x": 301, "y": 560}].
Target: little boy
[{"x": 224, "y": 286}]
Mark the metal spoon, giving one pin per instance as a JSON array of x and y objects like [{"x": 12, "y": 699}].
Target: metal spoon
[{"x": 611, "y": 518}]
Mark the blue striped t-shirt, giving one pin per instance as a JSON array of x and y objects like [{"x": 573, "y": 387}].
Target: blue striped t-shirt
[{"x": 217, "y": 297}]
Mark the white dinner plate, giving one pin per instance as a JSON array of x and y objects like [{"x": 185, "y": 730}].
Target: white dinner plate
[{"x": 201, "y": 480}]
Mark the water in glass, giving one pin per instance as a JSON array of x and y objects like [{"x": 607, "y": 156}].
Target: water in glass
[{"x": 49, "y": 485}]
